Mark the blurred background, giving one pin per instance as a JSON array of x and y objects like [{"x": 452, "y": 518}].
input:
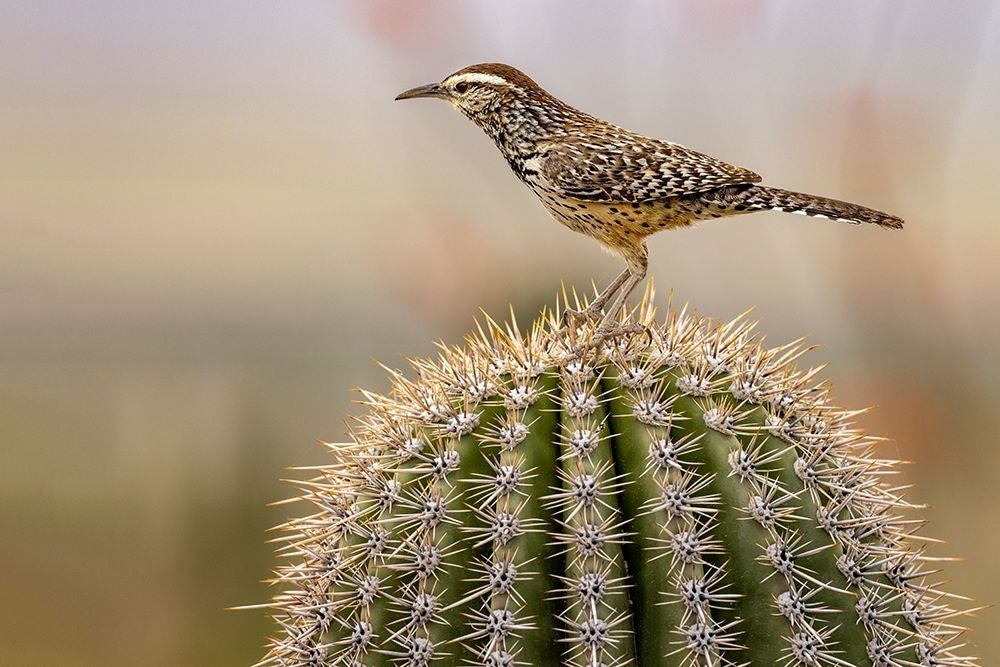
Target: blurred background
[{"x": 213, "y": 218}]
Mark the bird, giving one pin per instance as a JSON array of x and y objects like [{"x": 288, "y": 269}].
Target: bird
[{"x": 613, "y": 185}]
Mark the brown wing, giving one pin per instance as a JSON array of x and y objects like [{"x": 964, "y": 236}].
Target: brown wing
[{"x": 613, "y": 165}]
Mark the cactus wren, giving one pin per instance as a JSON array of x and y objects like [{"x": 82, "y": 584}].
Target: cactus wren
[{"x": 611, "y": 184}]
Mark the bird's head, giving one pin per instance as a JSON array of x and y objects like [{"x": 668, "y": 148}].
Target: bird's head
[{"x": 481, "y": 91}]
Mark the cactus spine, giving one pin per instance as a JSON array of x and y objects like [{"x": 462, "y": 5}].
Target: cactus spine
[{"x": 683, "y": 498}]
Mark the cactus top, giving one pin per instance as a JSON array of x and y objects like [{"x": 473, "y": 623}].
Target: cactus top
[{"x": 684, "y": 498}]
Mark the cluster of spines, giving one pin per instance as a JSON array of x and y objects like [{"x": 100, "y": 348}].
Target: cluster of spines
[
  {"x": 590, "y": 525},
  {"x": 706, "y": 500}
]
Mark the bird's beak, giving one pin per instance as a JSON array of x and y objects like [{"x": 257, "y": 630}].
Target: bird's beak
[{"x": 430, "y": 90}]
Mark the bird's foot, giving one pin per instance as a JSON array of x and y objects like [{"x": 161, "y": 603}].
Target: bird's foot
[
  {"x": 605, "y": 333},
  {"x": 572, "y": 318}
]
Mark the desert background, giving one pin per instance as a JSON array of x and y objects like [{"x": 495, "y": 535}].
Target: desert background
[{"x": 214, "y": 218}]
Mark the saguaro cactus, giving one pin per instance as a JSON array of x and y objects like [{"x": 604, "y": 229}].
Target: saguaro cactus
[{"x": 684, "y": 497}]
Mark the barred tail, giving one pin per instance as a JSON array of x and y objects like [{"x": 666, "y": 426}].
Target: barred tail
[{"x": 760, "y": 197}]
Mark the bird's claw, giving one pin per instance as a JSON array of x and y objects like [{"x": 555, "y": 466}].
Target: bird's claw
[
  {"x": 605, "y": 332},
  {"x": 572, "y": 317}
]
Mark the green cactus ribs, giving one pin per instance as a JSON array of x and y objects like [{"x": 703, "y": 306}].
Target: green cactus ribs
[{"x": 680, "y": 496}]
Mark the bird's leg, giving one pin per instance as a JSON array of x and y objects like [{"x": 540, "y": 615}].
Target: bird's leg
[
  {"x": 607, "y": 324},
  {"x": 597, "y": 305},
  {"x": 638, "y": 263},
  {"x": 608, "y": 328}
]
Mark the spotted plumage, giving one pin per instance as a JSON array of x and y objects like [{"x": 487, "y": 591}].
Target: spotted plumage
[{"x": 611, "y": 184}]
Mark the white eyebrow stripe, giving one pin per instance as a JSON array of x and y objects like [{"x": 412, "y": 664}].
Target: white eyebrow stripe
[{"x": 477, "y": 77}]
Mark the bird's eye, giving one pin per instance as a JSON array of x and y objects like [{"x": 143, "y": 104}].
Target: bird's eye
[{"x": 461, "y": 87}]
